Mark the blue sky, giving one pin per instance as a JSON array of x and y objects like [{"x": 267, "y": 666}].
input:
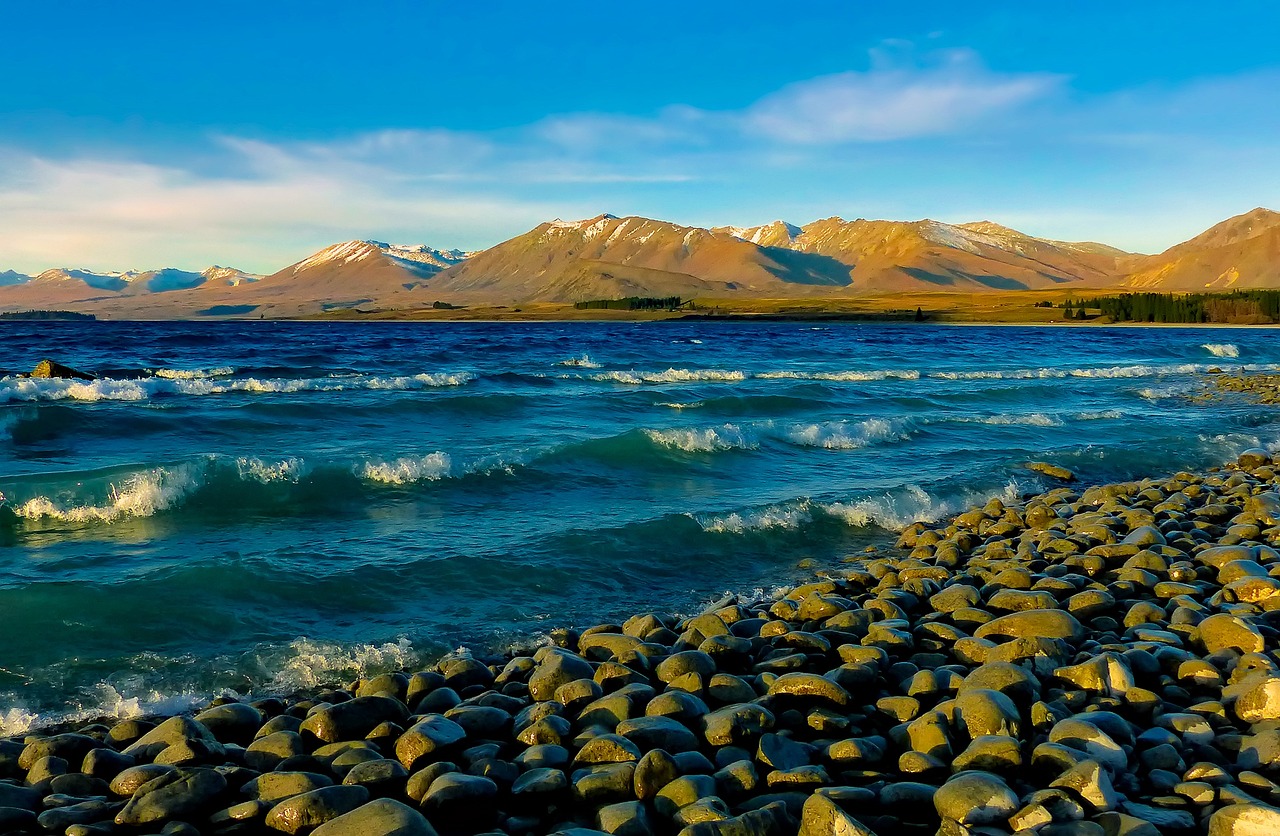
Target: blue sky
[{"x": 141, "y": 134}]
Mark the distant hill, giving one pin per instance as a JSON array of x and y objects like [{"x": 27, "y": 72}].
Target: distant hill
[{"x": 1238, "y": 254}]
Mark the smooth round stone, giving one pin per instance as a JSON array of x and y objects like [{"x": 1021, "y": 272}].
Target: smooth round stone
[
  {"x": 425, "y": 737},
  {"x": 975, "y": 798},
  {"x": 379, "y": 776},
  {"x": 383, "y": 817},
  {"x": 658, "y": 733},
  {"x": 353, "y": 719},
  {"x": 607, "y": 748},
  {"x": 809, "y": 686},
  {"x": 542, "y": 756},
  {"x": 540, "y": 782},
  {"x": 312, "y": 809},
  {"x": 736, "y": 723},
  {"x": 1050, "y": 624},
  {"x": 171, "y": 795},
  {"x": 1223, "y": 630},
  {"x": 990, "y": 753},
  {"x": 454, "y": 789},
  {"x": 274, "y": 786}
]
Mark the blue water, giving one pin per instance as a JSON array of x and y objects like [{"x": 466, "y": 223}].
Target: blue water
[{"x": 264, "y": 506}]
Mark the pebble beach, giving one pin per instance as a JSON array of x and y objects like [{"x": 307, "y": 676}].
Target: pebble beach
[{"x": 1097, "y": 660}]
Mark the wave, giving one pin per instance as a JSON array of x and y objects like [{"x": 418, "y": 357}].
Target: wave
[
  {"x": 267, "y": 670},
  {"x": 193, "y": 374},
  {"x": 405, "y": 471},
  {"x": 15, "y": 389},
  {"x": 583, "y": 362},
  {"x": 138, "y": 495},
  {"x": 844, "y": 435},
  {"x": 1130, "y": 371},
  {"x": 1033, "y": 419},
  {"x": 709, "y": 440},
  {"x": 842, "y": 376},
  {"x": 1222, "y": 349},
  {"x": 215, "y": 482},
  {"x": 894, "y": 510},
  {"x": 673, "y": 375}
]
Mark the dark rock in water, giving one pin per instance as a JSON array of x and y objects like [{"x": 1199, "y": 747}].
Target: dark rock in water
[{"x": 50, "y": 368}]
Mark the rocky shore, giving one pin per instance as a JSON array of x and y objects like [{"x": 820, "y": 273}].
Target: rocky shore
[{"x": 1094, "y": 662}]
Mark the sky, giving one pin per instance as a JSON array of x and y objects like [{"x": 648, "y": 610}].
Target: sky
[{"x": 139, "y": 135}]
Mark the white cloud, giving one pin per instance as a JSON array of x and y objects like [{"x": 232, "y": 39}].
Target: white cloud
[{"x": 890, "y": 104}]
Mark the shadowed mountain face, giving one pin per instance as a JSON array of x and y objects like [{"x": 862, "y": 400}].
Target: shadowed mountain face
[
  {"x": 610, "y": 257},
  {"x": 1240, "y": 253}
]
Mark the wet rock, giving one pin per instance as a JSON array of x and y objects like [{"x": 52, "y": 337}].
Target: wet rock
[{"x": 353, "y": 719}]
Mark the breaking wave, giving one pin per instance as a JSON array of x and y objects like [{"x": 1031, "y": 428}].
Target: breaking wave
[
  {"x": 637, "y": 378},
  {"x": 894, "y": 510},
  {"x": 16, "y": 389},
  {"x": 709, "y": 440},
  {"x": 408, "y": 470},
  {"x": 1221, "y": 349},
  {"x": 845, "y": 435}
]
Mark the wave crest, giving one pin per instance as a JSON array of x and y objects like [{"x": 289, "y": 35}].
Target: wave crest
[
  {"x": 1222, "y": 349},
  {"x": 709, "y": 440},
  {"x": 16, "y": 389},
  {"x": 140, "y": 495},
  {"x": 638, "y": 378},
  {"x": 406, "y": 471}
]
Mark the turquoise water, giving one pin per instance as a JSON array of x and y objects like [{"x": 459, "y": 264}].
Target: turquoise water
[{"x": 265, "y": 506}]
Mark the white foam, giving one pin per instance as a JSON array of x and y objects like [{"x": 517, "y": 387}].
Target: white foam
[
  {"x": 312, "y": 663},
  {"x": 636, "y": 378},
  {"x": 108, "y": 389},
  {"x": 1136, "y": 370},
  {"x": 259, "y": 470},
  {"x": 688, "y": 405},
  {"x": 103, "y": 702},
  {"x": 709, "y": 440},
  {"x": 843, "y": 376},
  {"x": 583, "y": 362},
  {"x": 740, "y": 522},
  {"x": 405, "y": 471},
  {"x": 193, "y": 374},
  {"x": 140, "y": 495},
  {"x": 1222, "y": 349},
  {"x": 898, "y": 509},
  {"x": 1033, "y": 419},
  {"x": 843, "y": 435}
]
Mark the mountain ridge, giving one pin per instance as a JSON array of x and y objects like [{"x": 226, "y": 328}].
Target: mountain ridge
[{"x": 607, "y": 256}]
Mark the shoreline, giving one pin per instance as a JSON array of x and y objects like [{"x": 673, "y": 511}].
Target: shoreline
[{"x": 1105, "y": 655}]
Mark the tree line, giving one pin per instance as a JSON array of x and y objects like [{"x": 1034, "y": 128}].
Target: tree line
[
  {"x": 633, "y": 303},
  {"x": 1239, "y": 307}
]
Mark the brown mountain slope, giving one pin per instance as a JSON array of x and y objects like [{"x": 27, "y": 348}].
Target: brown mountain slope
[
  {"x": 591, "y": 259},
  {"x": 1240, "y": 253},
  {"x": 924, "y": 255}
]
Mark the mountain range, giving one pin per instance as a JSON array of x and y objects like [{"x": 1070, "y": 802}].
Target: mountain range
[{"x": 610, "y": 257}]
